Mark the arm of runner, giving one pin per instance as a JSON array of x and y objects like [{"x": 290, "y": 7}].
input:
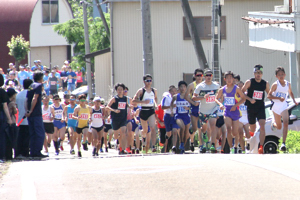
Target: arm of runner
[
  {"x": 172, "y": 104},
  {"x": 163, "y": 106},
  {"x": 75, "y": 115},
  {"x": 137, "y": 97},
  {"x": 62, "y": 117},
  {"x": 109, "y": 106},
  {"x": 273, "y": 89},
  {"x": 155, "y": 99},
  {"x": 292, "y": 94},
  {"x": 91, "y": 112},
  {"x": 267, "y": 87},
  {"x": 242, "y": 99},
  {"x": 52, "y": 112},
  {"x": 245, "y": 88},
  {"x": 64, "y": 114},
  {"x": 219, "y": 96}
]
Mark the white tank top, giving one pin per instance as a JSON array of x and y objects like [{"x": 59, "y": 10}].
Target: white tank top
[
  {"x": 243, "y": 110},
  {"x": 97, "y": 118},
  {"x": 281, "y": 92},
  {"x": 46, "y": 114},
  {"x": 150, "y": 96}
]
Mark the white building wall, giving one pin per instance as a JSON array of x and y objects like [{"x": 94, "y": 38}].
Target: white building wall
[
  {"x": 43, "y": 34},
  {"x": 174, "y": 56}
]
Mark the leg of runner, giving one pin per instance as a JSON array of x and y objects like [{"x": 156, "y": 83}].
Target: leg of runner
[
  {"x": 175, "y": 134},
  {"x": 62, "y": 133},
  {"x": 230, "y": 134},
  {"x": 168, "y": 135},
  {"x": 55, "y": 140},
  {"x": 49, "y": 138},
  {"x": 84, "y": 138},
  {"x": 72, "y": 139},
  {"x": 105, "y": 140},
  {"x": 194, "y": 121},
  {"x": 110, "y": 134},
  {"x": 100, "y": 139},
  {"x": 262, "y": 134},
  {"x": 151, "y": 121},
  {"x": 78, "y": 139},
  {"x": 95, "y": 142},
  {"x": 235, "y": 131},
  {"x": 186, "y": 133},
  {"x": 122, "y": 131},
  {"x": 213, "y": 130},
  {"x": 223, "y": 130},
  {"x": 144, "y": 133},
  {"x": 84, "y": 133},
  {"x": 181, "y": 134},
  {"x": 129, "y": 140},
  {"x": 278, "y": 125},
  {"x": 241, "y": 137},
  {"x": 46, "y": 144}
]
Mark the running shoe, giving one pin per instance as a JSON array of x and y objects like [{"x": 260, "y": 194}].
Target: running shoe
[
  {"x": 101, "y": 150},
  {"x": 79, "y": 154},
  {"x": 204, "y": 137},
  {"x": 49, "y": 145},
  {"x": 222, "y": 151},
  {"x": 127, "y": 150},
  {"x": 260, "y": 150},
  {"x": 137, "y": 151},
  {"x": 212, "y": 148},
  {"x": 72, "y": 152},
  {"x": 243, "y": 152},
  {"x": 56, "y": 152},
  {"x": 273, "y": 128},
  {"x": 192, "y": 147},
  {"x": 248, "y": 147},
  {"x": 96, "y": 154},
  {"x": 85, "y": 147},
  {"x": 153, "y": 149},
  {"x": 181, "y": 147},
  {"x": 94, "y": 151},
  {"x": 174, "y": 149},
  {"x": 283, "y": 147},
  {"x": 106, "y": 149},
  {"x": 232, "y": 150},
  {"x": 133, "y": 151},
  {"x": 61, "y": 147},
  {"x": 109, "y": 145},
  {"x": 202, "y": 149}
]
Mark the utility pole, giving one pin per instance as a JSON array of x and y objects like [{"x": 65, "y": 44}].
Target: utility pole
[
  {"x": 215, "y": 40},
  {"x": 87, "y": 49},
  {"x": 103, "y": 18},
  {"x": 194, "y": 34},
  {"x": 147, "y": 38}
]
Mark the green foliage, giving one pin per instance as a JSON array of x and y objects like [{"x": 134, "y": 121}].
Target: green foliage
[
  {"x": 292, "y": 142},
  {"x": 18, "y": 47},
  {"x": 73, "y": 31}
]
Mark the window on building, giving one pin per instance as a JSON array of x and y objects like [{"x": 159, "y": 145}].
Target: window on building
[
  {"x": 203, "y": 25},
  {"x": 50, "y": 11}
]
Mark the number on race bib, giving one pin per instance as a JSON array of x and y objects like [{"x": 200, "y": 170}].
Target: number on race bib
[
  {"x": 280, "y": 94},
  {"x": 97, "y": 116},
  {"x": 52, "y": 82},
  {"x": 70, "y": 80},
  {"x": 257, "y": 95},
  {"x": 210, "y": 99},
  {"x": 70, "y": 115},
  {"x": 46, "y": 117},
  {"x": 229, "y": 101},
  {"x": 243, "y": 108},
  {"x": 84, "y": 116},
  {"x": 122, "y": 105}
]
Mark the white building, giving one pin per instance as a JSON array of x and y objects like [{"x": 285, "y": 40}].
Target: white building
[{"x": 173, "y": 51}]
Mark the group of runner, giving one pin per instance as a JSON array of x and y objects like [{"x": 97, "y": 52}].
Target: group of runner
[{"x": 219, "y": 114}]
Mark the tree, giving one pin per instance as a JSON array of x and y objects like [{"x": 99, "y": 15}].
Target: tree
[
  {"x": 18, "y": 48},
  {"x": 73, "y": 31}
]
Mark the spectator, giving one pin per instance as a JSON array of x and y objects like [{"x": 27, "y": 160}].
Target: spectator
[
  {"x": 79, "y": 78},
  {"x": 10, "y": 67},
  {"x": 34, "y": 114},
  {"x": 72, "y": 77},
  {"x": 4, "y": 76},
  {"x": 4, "y": 119},
  {"x": 28, "y": 69},
  {"x": 37, "y": 66},
  {"x": 64, "y": 78},
  {"x": 53, "y": 82},
  {"x": 11, "y": 134},
  {"x": 23, "y": 136},
  {"x": 22, "y": 75},
  {"x": 11, "y": 80},
  {"x": 46, "y": 83}
]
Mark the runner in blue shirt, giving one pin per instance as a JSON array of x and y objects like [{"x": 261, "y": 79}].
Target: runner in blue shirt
[{"x": 72, "y": 77}]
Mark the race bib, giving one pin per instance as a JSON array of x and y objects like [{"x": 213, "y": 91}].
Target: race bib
[
  {"x": 280, "y": 94},
  {"x": 70, "y": 115},
  {"x": 229, "y": 101},
  {"x": 84, "y": 116},
  {"x": 182, "y": 110},
  {"x": 211, "y": 99},
  {"x": 257, "y": 95},
  {"x": 46, "y": 117},
  {"x": 78, "y": 77},
  {"x": 243, "y": 107},
  {"x": 122, "y": 105},
  {"x": 151, "y": 101},
  {"x": 97, "y": 116},
  {"x": 52, "y": 82},
  {"x": 70, "y": 80}
]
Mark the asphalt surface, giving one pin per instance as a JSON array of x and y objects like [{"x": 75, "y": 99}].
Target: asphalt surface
[{"x": 153, "y": 176}]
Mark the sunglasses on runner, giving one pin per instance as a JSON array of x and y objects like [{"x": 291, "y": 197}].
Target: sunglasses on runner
[
  {"x": 55, "y": 99},
  {"x": 209, "y": 75},
  {"x": 199, "y": 75},
  {"x": 72, "y": 99},
  {"x": 125, "y": 91},
  {"x": 82, "y": 100},
  {"x": 148, "y": 81}
]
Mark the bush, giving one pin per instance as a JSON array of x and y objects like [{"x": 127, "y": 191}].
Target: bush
[{"x": 292, "y": 142}]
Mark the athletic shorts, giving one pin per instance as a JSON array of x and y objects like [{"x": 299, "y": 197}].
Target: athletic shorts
[
  {"x": 205, "y": 117},
  {"x": 117, "y": 124},
  {"x": 195, "y": 111},
  {"x": 220, "y": 122},
  {"x": 107, "y": 127},
  {"x": 145, "y": 114},
  {"x": 79, "y": 130},
  {"x": 98, "y": 129},
  {"x": 244, "y": 120},
  {"x": 234, "y": 115},
  {"x": 170, "y": 122},
  {"x": 162, "y": 135},
  {"x": 278, "y": 107},
  {"x": 255, "y": 114},
  {"x": 134, "y": 125},
  {"x": 53, "y": 91},
  {"x": 49, "y": 128},
  {"x": 184, "y": 117},
  {"x": 71, "y": 87},
  {"x": 65, "y": 85},
  {"x": 58, "y": 124}
]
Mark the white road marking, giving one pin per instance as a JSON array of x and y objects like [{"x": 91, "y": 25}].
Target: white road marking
[{"x": 141, "y": 170}]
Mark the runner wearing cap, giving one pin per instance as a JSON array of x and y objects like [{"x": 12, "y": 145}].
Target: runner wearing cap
[
  {"x": 96, "y": 121},
  {"x": 205, "y": 92},
  {"x": 68, "y": 116},
  {"x": 198, "y": 76},
  {"x": 256, "y": 88},
  {"x": 278, "y": 94},
  {"x": 82, "y": 115},
  {"x": 147, "y": 97},
  {"x": 48, "y": 116},
  {"x": 59, "y": 124}
]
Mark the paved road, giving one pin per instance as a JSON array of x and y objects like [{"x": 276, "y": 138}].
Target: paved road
[{"x": 189, "y": 176}]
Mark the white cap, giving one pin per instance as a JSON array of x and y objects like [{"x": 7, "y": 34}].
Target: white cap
[{"x": 97, "y": 99}]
